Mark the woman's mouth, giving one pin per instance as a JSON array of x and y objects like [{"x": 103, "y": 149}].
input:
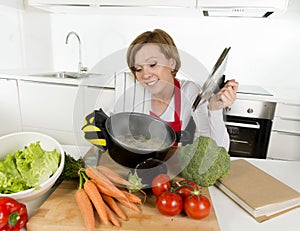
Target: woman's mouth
[{"x": 151, "y": 83}]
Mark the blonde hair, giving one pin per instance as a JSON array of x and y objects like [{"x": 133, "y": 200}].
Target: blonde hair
[{"x": 159, "y": 37}]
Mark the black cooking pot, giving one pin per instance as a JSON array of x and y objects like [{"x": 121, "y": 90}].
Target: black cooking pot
[{"x": 130, "y": 137}]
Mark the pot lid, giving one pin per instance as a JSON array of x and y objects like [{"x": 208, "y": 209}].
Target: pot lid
[{"x": 213, "y": 81}]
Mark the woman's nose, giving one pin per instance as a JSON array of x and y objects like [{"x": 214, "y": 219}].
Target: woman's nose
[{"x": 146, "y": 72}]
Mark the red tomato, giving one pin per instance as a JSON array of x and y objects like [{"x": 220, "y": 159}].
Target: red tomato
[
  {"x": 160, "y": 184},
  {"x": 185, "y": 191},
  {"x": 197, "y": 206},
  {"x": 185, "y": 187},
  {"x": 189, "y": 183},
  {"x": 169, "y": 203}
]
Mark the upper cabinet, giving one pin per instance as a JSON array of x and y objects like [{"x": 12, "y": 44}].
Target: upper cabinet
[
  {"x": 114, "y": 6},
  {"x": 17, "y": 4},
  {"x": 55, "y": 4},
  {"x": 223, "y": 8},
  {"x": 152, "y": 3},
  {"x": 62, "y": 2},
  {"x": 114, "y": 3}
]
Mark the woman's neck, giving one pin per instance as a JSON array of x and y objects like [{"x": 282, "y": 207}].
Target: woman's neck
[{"x": 160, "y": 102}]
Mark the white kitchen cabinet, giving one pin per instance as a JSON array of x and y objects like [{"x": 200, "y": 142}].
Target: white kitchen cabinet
[
  {"x": 60, "y": 2},
  {"x": 18, "y": 4},
  {"x": 143, "y": 3},
  {"x": 59, "y": 109},
  {"x": 127, "y": 3},
  {"x": 285, "y": 135},
  {"x": 67, "y": 6},
  {"x": 54, "y": 109},
  {"x": 97, "y": 97},
  {"x": 10, "y": 117}
]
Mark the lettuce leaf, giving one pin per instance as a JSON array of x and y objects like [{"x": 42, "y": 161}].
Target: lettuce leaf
[
  {"x": 28, "y": 168},
  {"x": 10, "y": 179}
]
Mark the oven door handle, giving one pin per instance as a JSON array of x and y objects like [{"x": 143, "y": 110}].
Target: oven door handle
[{"x": 244, "y": 125}]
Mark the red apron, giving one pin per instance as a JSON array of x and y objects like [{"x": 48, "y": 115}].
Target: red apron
[{"x": 176, "y": 124}]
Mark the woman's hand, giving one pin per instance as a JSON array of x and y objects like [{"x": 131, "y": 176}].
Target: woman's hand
[{"x": 225, "y": 97}]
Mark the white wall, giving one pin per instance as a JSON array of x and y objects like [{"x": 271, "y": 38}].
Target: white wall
[
  {"x": 25, "y": 40},
  {"x": 264, "y": 51},
  {"x": 11, "y": 54}
]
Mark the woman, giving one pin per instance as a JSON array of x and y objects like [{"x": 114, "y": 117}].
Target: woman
[{"x": 154, "y": 61}]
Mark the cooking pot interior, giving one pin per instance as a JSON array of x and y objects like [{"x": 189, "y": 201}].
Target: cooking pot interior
[{"x": 140, "y": 133}]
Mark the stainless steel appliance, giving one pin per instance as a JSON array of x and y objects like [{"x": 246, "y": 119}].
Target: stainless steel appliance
[{"x": 249, "y": 124}]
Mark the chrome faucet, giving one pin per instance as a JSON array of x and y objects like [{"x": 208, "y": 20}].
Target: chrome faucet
[{"x": 81, "y": 69}]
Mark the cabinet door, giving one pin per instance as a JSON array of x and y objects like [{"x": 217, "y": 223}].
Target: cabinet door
[
  {"x": 10, "y": 118},
  {"x": 286, "y": 125},
  {"x": 18, "y": 4},
  {"x": 55, "y": 109},
  {"x": 284, "y": 146},
  {"x": 125, "y": 3},
  {"x": 285, "y": 137},
  {"x": 96, "y": 97},
  {"x": 288, "y": 111}
]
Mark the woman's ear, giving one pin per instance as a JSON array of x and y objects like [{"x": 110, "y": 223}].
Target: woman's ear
[{"x": 172, "y": 63}]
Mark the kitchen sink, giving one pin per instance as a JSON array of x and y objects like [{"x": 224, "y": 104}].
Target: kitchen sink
[{"x": 66, "y": 74}]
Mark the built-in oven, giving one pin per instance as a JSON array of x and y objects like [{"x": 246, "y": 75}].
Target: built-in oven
[{"x": 249, "y": 124}]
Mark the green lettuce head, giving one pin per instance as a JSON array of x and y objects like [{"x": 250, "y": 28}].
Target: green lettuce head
[{"x": 28, "y": 168}]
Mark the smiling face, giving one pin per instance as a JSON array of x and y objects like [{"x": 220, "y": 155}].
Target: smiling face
[{"x": 153, "y": 70}]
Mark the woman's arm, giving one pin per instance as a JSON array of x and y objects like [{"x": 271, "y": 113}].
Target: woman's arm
[
  {"x": 208, "y": 123},
  {"x": 211, "y": 124}
]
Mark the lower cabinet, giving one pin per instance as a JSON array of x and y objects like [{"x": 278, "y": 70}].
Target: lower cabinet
[
  {"x": 54, "y": 109},
  {"x": 59, "y": 109},
  {"x": 10, "y": 116},
  {"x": 97, "y": 97},
  {"x": 285, "y": 136},
  {"x": 284, "y": 146}
]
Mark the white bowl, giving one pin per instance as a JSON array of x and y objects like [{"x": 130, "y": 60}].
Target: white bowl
[{"x": 17, "y": 141}]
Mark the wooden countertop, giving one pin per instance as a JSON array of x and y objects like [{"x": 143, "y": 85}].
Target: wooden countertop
[
  {"x": 229, "y": 215},
  {"x": 60, "y": 211}
]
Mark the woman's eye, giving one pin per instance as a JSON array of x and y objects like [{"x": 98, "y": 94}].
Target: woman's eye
[
  {"x": 152, "y": 64},
  {"x": 137, "y": 69}
]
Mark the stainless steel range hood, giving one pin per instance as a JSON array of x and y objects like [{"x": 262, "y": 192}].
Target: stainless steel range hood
[{"x": 241, "y": 8}]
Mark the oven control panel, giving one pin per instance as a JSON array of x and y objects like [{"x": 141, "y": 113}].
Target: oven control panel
[{"x": 251, "y": 109}]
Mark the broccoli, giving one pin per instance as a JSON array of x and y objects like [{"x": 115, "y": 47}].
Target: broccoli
[{"x": 203, "y": 161}]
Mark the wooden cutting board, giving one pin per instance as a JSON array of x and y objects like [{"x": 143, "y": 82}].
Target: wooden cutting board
[{"x": 60, "y": 213}]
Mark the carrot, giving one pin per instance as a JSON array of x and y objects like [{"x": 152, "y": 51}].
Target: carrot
[
  {"x": 113, "y": 176},
  {"x": 104, "y": 182},
  {"x": 96, "y": 198},
  {"x": 101, "y": 189},
  {"x": 114, "y": 206},
  {"x": 112, "y": 217},
  {"x": 86, "y": 209},
  {"x": 132, "y": 197},
  {"x": 129, "y": 204}
]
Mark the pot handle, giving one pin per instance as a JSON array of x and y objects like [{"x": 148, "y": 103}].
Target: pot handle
[{"x": 94, "y": 129}]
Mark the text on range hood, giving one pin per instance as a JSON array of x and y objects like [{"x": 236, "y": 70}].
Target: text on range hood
[{"x": 241, "y": 8}]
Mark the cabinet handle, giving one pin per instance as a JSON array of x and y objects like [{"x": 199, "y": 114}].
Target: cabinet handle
[
  {"x": 290, "y": 119},
  {"x": 101, "y": 88},
  {"x": 288, "y": 133},
  {"x": 50, "y": 83},
  {"x": 255, "y": 126}
]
